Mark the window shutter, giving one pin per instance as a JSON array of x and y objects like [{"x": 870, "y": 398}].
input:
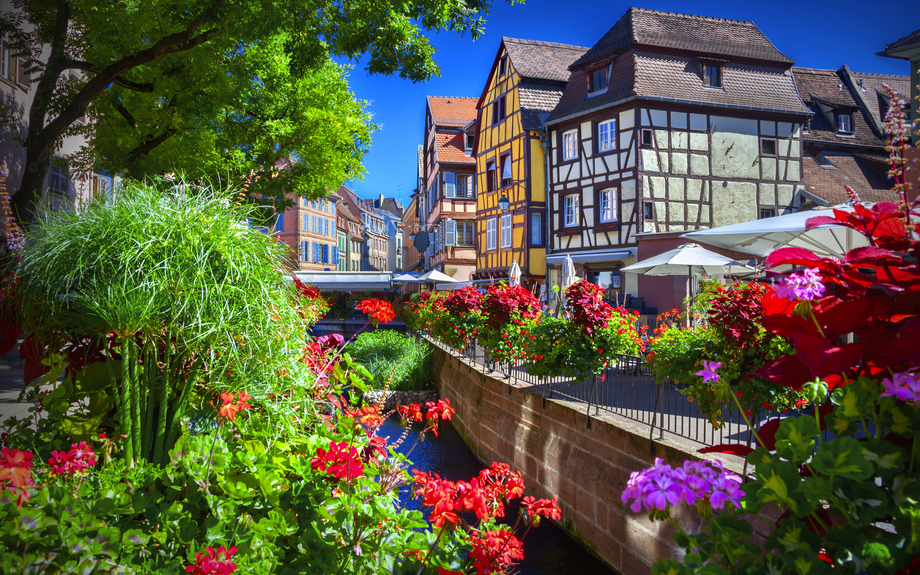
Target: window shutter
[
  {"x": 450, "y": 233},
  {"x": 303, "y": 251},
  {"x": 325, "y": 253},
  {"x": 450, "y": 185},
  {"x": 22, "y": 76},
  {"x": 335, "y": 255}
]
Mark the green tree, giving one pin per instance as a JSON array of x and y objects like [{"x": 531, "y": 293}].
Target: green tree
[{"x": 233, "y": 83}]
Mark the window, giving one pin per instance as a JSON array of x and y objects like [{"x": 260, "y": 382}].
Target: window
[
  {"x": 465, "y": 233},
  {"x": 570, "y": 208},
  {"x": 326, "y": 226},
  {"x": 597, "y": 80},
  {"x": 491, "y": 177},
  {"x": 570, "y": 145},
  {"x": 450, "y": 185},
  {"x": 279, "y": 223},
  {"x": 506, "y": 231},
  {"x": 845, "y": 123},
  {"x": 712, "y": 76},
  {"x": 536, "y": 229},
  {"x": 647, "y": 212},
  {"x": 6, "y": 60},
  {"x": 766, "y": 213},
  {"x": 608, "y": 205},
  {"x": 502, "y": 66},
  {"x": 768, "y": 147},
  {"x": 59, "y": 177},
  {"x": 498, "y": 110},
  {"x": 468, "y": 141},
  {"x": 303, "y": 251},
  {"x": 647, "y": 138},
  {"x": 607, "y": 136},
  {"x": 306, "y": 203},
  {"x": 490, "y": 234},
  {"x": 506, "y": 170},
  {"x": 464, "y": 187}
]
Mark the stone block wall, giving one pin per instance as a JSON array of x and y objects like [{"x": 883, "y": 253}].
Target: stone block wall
[{"x": 549, "y": 441}]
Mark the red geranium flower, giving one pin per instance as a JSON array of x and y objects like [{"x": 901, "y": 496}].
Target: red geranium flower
[
  {"x": 214, "y": 563},
  {"x": 379, "y": 311},
  {"x": 341, "y": 461}
]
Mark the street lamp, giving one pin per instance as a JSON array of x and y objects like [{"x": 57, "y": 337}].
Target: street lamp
[{"x": 503, "y": 203}]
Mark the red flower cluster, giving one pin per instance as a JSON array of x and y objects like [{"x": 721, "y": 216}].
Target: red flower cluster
[
  {"x": 494, "y": 551},
  {"x": 485, "y": 494},
  {"x": 341, "y": 461},
  {"x": 368, "y": 416},
  {"x": 737, "y": 312},
  {"x": 214, "y": 563},
  {"x": 506, "y": 302},
  {"x": 542, "y": 507},
  {"x": 411, "y": 412},
  {"x": 464, "y": 300},
  {"x": 436, "y": 411},
  {"x": 15, "y": 474},
  {"x": 379, "y": 311},
  {"x": 77, "y": 460},
  {"x": 584, "y": 301},
  {"x": 230, "y": 406}
]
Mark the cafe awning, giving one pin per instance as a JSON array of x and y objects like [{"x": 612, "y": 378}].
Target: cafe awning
[{"x": 346, "y": 281}]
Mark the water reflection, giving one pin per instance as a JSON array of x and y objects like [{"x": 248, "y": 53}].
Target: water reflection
[{"x": 547, "y": 549}]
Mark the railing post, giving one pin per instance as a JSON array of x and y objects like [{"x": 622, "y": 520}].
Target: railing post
[{"x": 651, "y": 433}]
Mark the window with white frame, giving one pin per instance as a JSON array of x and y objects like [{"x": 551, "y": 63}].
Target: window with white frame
[
  {"x": 607, "y": 136},
  {"x": 465, "y": 233},
  {"x": 465, "y": 187},
  {"x": 608, "y": 205},
  {"x": 490, "y": 233},
  {"x": 506, "y": 170},
  {"x": 506, "y": 231},
  {"x": 570, "y": 145},
  {"x": 570, "y": 210},
  {"x": 597, "y": 81},
  {"x": 6, "y": 69},
  {"x": 845, "y": 123},
  {"x": 59, "y": 176}
]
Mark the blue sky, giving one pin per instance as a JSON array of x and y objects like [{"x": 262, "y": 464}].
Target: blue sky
[{"x": 824, "y": 34}]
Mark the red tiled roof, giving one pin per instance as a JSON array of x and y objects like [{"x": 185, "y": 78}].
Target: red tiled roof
[
  {"x": 702, "y": 35},
  {"x": 533, "y": 59},
  {"x": 450, "y": 148},
  {"x": 451, "y": 110},
  {"x": 828, "y": 182},
  {"x": 678, "y": 78}
]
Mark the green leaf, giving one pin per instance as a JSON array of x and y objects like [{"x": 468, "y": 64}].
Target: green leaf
[
  {"x": 795, "y": 439},
  {"x": 842, "y": 457}
]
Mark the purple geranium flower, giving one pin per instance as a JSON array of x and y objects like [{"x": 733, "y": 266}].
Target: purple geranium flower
[
  {"x": 709, "y": 374},
  {"x": 806, "y": 285},
  {"x": 726, "y": 489},
  {"x": 904, "y": 386}
]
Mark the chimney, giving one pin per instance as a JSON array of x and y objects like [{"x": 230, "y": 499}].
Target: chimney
[{"x": 380, "y": 205}]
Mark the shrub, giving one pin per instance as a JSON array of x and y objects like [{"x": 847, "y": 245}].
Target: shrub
[{"x": 389, "y": 355}]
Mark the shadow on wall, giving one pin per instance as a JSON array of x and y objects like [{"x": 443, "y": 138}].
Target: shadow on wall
[{"x": 13, "y": 128}]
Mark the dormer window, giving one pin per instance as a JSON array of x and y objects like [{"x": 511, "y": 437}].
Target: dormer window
[
  {"x": 468, "y": 139},
  {"x": 597, "y": 81},
  {"x": 712, "y": 76},
  {"x": 845, "y": 123}
]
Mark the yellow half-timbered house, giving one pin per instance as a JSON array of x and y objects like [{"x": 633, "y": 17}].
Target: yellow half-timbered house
[{"x": 524, "y": 85}]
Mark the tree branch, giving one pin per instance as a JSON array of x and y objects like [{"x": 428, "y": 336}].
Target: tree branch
[
  {"x": 87, "y": 67},
  {"x": 149, "y": 145},
  {"x": 124, "y": 113}
]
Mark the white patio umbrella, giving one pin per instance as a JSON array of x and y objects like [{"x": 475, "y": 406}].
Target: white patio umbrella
[
  {"x": 686, "y": 260},
  {"x": 568, "y": 273},
  {"x": 761, "y": 237},
  {"x": 435, "y": 276},
  {"x": 514, "y": 274},
  {"x": 406, "y": 279}
]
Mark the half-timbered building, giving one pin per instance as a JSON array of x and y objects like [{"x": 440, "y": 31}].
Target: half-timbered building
[
  {"x": 671, "y": 122},
  {"x": 524, "y": 85},
  {"x": 448, "y": 203}
]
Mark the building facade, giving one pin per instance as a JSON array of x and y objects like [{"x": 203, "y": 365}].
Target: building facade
[
  {"x": 412, "y": 260},
  {"x": 661, "y": 133},
  {"x": 308, "y": 228},
  {"x": 524, "y": 85},
  {"x": 448, "y": 202}
]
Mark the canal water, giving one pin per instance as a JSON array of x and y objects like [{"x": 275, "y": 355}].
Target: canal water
[{"x": 547, "y": 549}]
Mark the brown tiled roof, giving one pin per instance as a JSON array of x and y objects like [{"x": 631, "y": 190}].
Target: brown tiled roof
[
  {"x": 452, "y": 111},
  {"x": 828, "y": 183},
  {"x": 536, "y": 103},
  {"x": 533, "y": 59},
  {"x": 829, "y": 88},
  {"x": 677, "y": 78},
  {"x": 702, "y": 35},
  {"x": 450, "y": 148},
  {"x": 912, "y": 38},
  {"x": 875, "y": 96},
  {"x": 343, "y": 211}
]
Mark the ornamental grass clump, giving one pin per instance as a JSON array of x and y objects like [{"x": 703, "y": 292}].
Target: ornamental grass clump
[
  {"x": 394, "y": 360},
  {"x": 142, "y": 299}
]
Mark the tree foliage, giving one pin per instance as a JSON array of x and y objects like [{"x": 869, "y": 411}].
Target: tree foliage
[{"x": 207, "y": 86}]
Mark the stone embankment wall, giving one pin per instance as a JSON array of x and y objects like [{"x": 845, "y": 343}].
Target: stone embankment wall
[{"x": 549, "y": 441}]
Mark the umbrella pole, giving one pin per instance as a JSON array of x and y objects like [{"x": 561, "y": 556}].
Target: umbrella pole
[{"x": 692, "y": 296}]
